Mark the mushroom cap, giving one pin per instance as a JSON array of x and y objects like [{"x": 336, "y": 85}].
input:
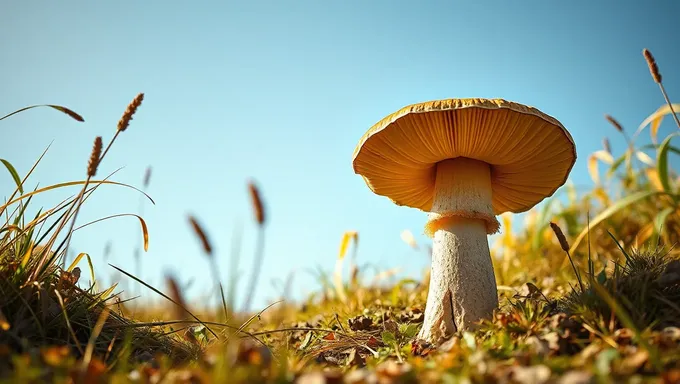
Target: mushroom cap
[{"x": 530, "y": 153}]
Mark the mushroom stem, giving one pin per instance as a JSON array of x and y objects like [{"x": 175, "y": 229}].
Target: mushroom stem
[{"x": 462, "y": 283}]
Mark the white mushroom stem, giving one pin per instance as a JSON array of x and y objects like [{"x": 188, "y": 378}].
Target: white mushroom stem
[{"x": 462, "y": 282}]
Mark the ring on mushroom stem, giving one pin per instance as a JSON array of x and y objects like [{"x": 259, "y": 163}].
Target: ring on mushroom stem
[{"x": 464, "y": 161}]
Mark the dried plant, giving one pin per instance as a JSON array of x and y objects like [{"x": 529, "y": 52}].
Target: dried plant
[
  {"x": 124, "y": 121},
  {"x": 656, "y": 75},
  {"x": 94, "y": 157},
  {"x": 200, "y": 233},
  {"x": 258, "y": 210},
  {"x": 256, "y": 200},
  {"x": 653, "y": 68},
  {"x": 614, "y": 122}
]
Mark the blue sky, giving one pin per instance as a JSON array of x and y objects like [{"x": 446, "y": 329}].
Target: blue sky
[{"x": 280, "y": 92}]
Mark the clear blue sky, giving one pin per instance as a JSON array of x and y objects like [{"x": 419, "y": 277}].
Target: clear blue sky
[{"x": 281, "y": 92}]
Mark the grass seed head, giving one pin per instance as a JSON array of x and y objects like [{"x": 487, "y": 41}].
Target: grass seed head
[
  {"x": 94, "y": 157},
  {"x": 207, "y": 247},
  {"x": 614, "y": 122},
  {"x": 131, "y": 109},
  {"x": 560, "y": 236},
  {"x": 256, "y": 200},
  {"x": 651, "y": 63},
  {"x": 176, "y": 295},
  {"x": 147, "y": 177},
  {"x": 606, "y": 146}
]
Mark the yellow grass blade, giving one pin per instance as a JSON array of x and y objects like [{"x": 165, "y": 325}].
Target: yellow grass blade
[
  {"x": 643, "y": 157},
  {"x": 592, "y": 169},
  {"x": 104, "y": 295},
  {"x": 653, "y": 177},
  {"x": 27, "y": 256},
  {"x": 75, "y": 262},
  {"x": 70, "y": 184},
  {"x": 145, "y": 230},
  {"x": 604, "y": 156},
  {"x": 344, "y": 243},
  {"x": 609, "y": 211},
  {"x": 644, "y": 233},
  {"x": 654, "y": 120},
  {"x": 347, "y": 237},
  {"x": 601, "y": 195}
]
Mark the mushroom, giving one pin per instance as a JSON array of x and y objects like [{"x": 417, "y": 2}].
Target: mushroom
[{"x": 464, "y": 161}]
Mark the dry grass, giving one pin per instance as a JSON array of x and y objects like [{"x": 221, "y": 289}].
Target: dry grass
[{"x": 614, "y": 315}]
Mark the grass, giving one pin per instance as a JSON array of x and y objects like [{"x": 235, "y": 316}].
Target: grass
[{"x": 601, "y": 302}]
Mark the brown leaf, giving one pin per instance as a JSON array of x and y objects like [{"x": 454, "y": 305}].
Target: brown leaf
[
  {"x": 360, "y": 323},
  {"x": 421, "y": 347},
  {"x": 391, "y": 326},
  {"x": 373, "y": 342}
]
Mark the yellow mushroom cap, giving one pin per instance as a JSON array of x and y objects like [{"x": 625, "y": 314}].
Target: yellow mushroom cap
[{"x": 529, "y": 152}]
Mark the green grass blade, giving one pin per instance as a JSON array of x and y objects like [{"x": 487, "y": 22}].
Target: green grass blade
[
  {"x": 618, "y": 245},
  {"x": 628, "y": 322},
  {"x": 671, "y": 148},
  {"x": 662, "y": 162},
  {"x": 15, "y": 175},
  {"x": 615, "y": 165},
  {"x": 659, "y": 221}
]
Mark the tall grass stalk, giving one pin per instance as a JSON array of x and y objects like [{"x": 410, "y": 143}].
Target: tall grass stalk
[{"x": 259, "y": 213}]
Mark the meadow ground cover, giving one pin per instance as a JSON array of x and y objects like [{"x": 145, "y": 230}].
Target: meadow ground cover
[{"x": 600, "y": 303}]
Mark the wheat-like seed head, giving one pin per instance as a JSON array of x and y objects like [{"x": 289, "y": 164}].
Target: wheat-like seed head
[
  {"x": 606, "y": 146},
  {"x": 147, "y": 177},
  {"x": 93, "y": 163},
  {"x": 201, "y": 235},
  {"x": 560, "y": 237},
  {"x": 256, "y": 200},
  {"x": 129, "y": 111},
  {"x": 651, "y": 63},
  {"x": 176, "y": 295},
  {"x": 614, "y": 122}
]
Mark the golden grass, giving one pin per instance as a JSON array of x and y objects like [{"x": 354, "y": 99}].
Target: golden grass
[
  {"x": 124, "y": 121},
  {"x": 653, "y": 68},
  {"x": 94, "y": 157},
  {"x": 620, "y": 323}
]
